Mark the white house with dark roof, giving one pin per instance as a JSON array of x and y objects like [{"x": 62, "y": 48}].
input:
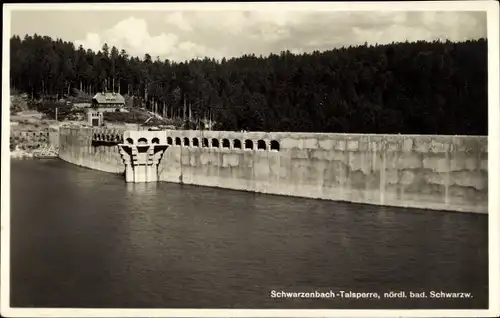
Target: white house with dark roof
[{"x": 108, "y": 100}]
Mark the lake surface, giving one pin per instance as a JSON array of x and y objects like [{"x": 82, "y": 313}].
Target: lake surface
[{"x": 83, "y": 238}]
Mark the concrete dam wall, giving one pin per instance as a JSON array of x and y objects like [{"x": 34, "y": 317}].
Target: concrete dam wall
[
  {"x": 77, "y": 146},
  {"x": 428, "y": 172}
]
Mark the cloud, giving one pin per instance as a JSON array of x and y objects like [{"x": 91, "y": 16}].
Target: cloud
[
  {"x": 177, "y": 19},
  {"x": 413, "y": 26},
  {"x": 190, "y": 34},
  {"x": 244, "y": 23},
  {"x": 132, "y": 34}
]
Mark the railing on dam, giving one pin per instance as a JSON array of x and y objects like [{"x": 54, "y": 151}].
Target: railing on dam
[
  {"x": 247, "y": 144},
  {"x": 107, "y": 136},
  {"x": 204, "y": 139}
]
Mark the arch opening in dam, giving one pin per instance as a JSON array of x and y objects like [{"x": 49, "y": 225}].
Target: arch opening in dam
[
  {"x": 261, "y": 145},
  {"x": 249, "y": 144},
  {"x": 237, "y": 144},
  {"x": 275, "y": 145},
  {"x": 196, "y": 142}
]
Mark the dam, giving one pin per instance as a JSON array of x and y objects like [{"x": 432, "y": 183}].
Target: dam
[{"x": 416, "y": 171}]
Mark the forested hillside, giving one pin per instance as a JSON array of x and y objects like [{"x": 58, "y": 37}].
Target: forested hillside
[{"x": 407, "y": 88}]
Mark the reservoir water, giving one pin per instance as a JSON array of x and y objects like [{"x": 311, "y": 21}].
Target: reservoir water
[{"x": 83, "y": 238}]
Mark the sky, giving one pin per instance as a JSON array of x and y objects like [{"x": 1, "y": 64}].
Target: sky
[{"x": 184, "y": 34}]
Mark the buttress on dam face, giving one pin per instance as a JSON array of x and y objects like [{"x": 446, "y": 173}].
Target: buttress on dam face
[{"x": 419, "y": 171}]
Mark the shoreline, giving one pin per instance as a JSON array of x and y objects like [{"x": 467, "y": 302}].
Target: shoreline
[{"x": 21, "y": 154}]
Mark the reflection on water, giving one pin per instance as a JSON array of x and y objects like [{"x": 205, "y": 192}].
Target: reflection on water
[
  {"x": 139, "y": 189},
  {"x": 82, "y": 238}
]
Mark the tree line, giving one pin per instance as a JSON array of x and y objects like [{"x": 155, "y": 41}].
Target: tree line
[{"x": 409, "y": 88}]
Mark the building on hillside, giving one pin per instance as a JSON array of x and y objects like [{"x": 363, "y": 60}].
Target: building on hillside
[
  {"x": 108, "y": 102},
  {"x": 95, "y": 118}
]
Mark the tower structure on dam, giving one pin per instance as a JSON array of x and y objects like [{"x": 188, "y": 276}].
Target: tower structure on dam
[{"x": 141, "y": 153}]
